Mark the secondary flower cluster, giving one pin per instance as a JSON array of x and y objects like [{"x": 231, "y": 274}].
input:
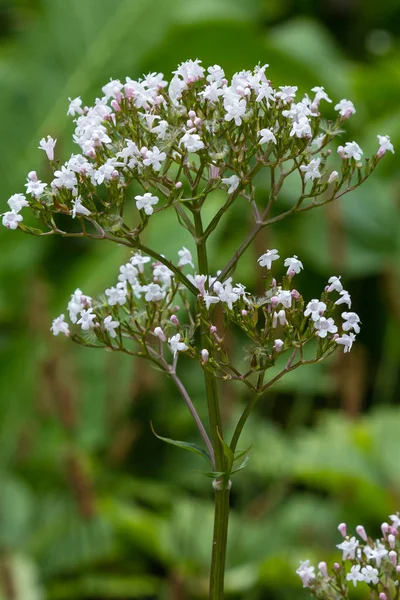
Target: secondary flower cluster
[
  {"x": 149, "y": 131},
  {"x": 364, "y": 560}
]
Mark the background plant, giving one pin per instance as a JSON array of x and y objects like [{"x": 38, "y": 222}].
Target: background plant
[{"x": 360, "y": 245}]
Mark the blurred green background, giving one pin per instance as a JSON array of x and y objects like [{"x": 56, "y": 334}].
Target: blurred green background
[{"x": 92, "y": 505}]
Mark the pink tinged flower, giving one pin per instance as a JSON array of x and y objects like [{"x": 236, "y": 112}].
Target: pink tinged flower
[
  {"x": 266, "y": 259},
  {"x": 75, "y": 107},
  {"x": 393, "y": 557},
  {"x": 79, "y": 209},
  {"x": 232, "y": 181},
  {"x": 174, "y": 320},
  {"x": 214, "y": 172},
  {"x": 323, "y": 569},
  {"x": 278, "y": 345},
  {"x": 279, "y": 316},
  {"x": 266, "y": 135},
  {"x": 352, "y": 321},
  {"x": 344, "y": 299},
  {"x": 376, "y": 553},
  {"x": 395, "y": 521},
  {"x": 87, "y": 319},
  {"x": 284, "y": 297},
  {"x": 48, "y": 146},
  {"x": 384, "y": 145},
  {"x": 325, "y": 326},
  {"x": 385, "y": 527},
  {"x": 225, "y": 293},
  {"x": 392, "y": 540},
  {"x": 311, "y": 171},
  {"x": 316, "y": 309},
  {"x": 146, "y": 202},
  {"x": 350, "y": 150},
  {"x": 66, "y": 178},
  {"x": 205, "y": 355},
  {"x": 306, "y": 573},
  {"x": 154, "y": 293},
  {"x": 294, "y": 265},
  {"x": 158, "y": 332},
  {"x": 77, "y": 303},
  {"x": 370, "y": 575},
  {"x": 362, "y": 533},
  {"x": 154, "y": 158},
  {"x": 116, "y": 295},
  {"x": 17, "y": 202},
  {"x": 60, "y": 326},
  {"x": 342, "y": 528},
  {"x": 345, "y": 108},
  {"x": 35, "y": 187},
  {"x": 301, "y": 128},
  {"x": 11, "y": 219},
  {"x": 110, "y": 326},
  {"x": 348, "y": 548},
  {"x": 176, "y": 345},
  {"x": 334, "y": 284},
  {"x": 162, "y": 273},
  {"x": 185, "y": 258},
  {"x": 287, "y": 93},
  {"x": 382, "y": 596}
]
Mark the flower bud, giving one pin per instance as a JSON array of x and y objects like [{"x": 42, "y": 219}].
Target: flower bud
[
  {"x": 398, "y": 568},
  {"x": 323, "y": 569},
  {"x": 382, "y": 596},
  {"x": 342, "y": 528},
  {"x": 178, "y": 185},
  {"x": 213, "y": 329},
  {"x": 32, "y": 176},
  {"x": 295, "y": 294},
  {"x": 393, "y": 557},
  {"x": 191, "y": 114},
  {"x": 362, "y": 533},
  {"x": 274, "y": 301},
  {"x": 384, "y": 529},
  {"x": 174, "y": 319},
  {"x": 334, "y": 176},
  {"x": 115, "y": 105},
  {"x": 336, "y": 566},
  {"x": 158, "y": 332},
  {"x": 278, "y": 345},
  {"x": 391, "y": 540},
  {"x": 205, "y": 355},
  {"x": 214, "y": 172}
]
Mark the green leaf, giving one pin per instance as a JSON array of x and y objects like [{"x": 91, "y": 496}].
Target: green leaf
[
  {"x": 230, "y": 457},
  {"x": 185, "y": 445}
]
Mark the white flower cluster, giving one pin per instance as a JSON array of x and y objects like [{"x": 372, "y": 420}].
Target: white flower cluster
[
  {"x": 142, "y": 129},
  {"x": 373, "y": 562}
]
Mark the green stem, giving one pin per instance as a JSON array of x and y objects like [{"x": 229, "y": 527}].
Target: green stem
[{"x": 221, "y": 511}]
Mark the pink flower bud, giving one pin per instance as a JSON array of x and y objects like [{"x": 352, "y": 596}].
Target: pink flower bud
[
  {"x": 336, "y": 566},
  {"x": 198, "y": 122},
  {"x": 391, "y": 540},
  {"x": 273, "y": 282},
  {"x": 381, "y": 152},
  {"x": 398, "y": 568},
  {"x": 342, "y": 528},
  {"x": 205, "y": 355},
  {"x": 323, "y": 569},
  {"x": 213, "y": 329},
  {"x": 362, "y": 533},
  {"x": 382, "y": 596},
  {"x": 174, "y": 319},
  {"x": 384, "y": 529},
  {"x": 334, "y": 176},
  {"x": 189, "y": 124},
  {"x": 244, "y": 313},
  {"x": 214, "y": 172},
  {"x": 158, "y": 332},
  {"x": 295, "y": 294},
  {"x": 393, "y": 530},
  {"x": 32, "y": 176},
  {"x": 278, "y": 345},
  {"x": 191, "y": 114},
  {"x": 393, "y": 557},
  {"x": 274, "y": 301},
  {"x": 115, "y": 105},
  {"x": 341, "y": 152},
  {"x": 178, "y": 185}
]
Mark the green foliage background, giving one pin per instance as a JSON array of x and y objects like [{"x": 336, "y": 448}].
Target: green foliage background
[{"x": 92, "y": 505}]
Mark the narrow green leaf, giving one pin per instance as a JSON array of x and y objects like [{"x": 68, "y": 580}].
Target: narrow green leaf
[
  {"x": 185, "y": 445},
  {"x": 242, "y": 466},
  {"x": 228, "y": 455},
  {"x": 241, "y": 453}
]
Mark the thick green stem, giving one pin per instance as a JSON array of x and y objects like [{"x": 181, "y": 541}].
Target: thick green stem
[{"x": 221, "y": 513}]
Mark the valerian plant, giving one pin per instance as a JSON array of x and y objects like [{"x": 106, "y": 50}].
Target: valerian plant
[{"x": 180, "y": 142}]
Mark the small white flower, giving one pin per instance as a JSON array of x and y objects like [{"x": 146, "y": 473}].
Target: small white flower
[
  {"x": 334, "y": 176},
  {"x": 176, "y": 345},
  {"x": 344, "y": 299},
  {"x": 17, "y": 202},
  {"x": 345, "y": 108},
  {"x": 235, "y": 110},
  {"x": 35, "y": 187},
  {"x": 316, "y": 309},
  {"x": 334, "y": 284},
  {"x": 66, "y": 178},
  {"x": 128, "y": 273},
  {"x": 116, "y": 295},
  {"x": 110, "y": 326},
  {"x": 208, "y": 300},
  {"x": 139, "y": 261},
  {"x": 60, "y": 326},
  {"x": 284, "y": 297},
  {"x": 160, "y": 129},
  {"x": 232, "y": 181},
  {"x": 346, "y": 341},
  {"x": 11, "y": 219},
  {"x": 294, "y": 265},
  {"x": 279, "y": 316},
  {"x": 75, "y": 107},
  {"x": 48, "y": 146},
  {"x": 87, "y": 319},
  {"x": 225, "y": 293},
  {"x": 301, "y": 128},
  {"x": 384, "y": 145},
  {"x": 355, "y": 575},
  {"x": 146, "y": 202},
  {"x": 350, "y": 150},
  {"x": 158, "y": 332},
  {"x": 349, "y": 548},
  {"x": 154, "y": 293},
  {"x": 351, "y": 321},
  {"x": 376, "y": 553},
  {"x": 266, "y": 136},
  {"x": 185, "y": 258},
  {"x": 192, "y": 141},
  {"x": 312, "y": 170},
  {"x": 78, "y": 208},
  {"x": 325, "y": 326},
  {"x": 287, "y": 93},
  {"x": 395, "y": 520},
  {"x": 154, "y": 158},
  {"x": 77, "y": 303},
  {"x": 266, "y": 259},
  {"x": 162, "y": 273},
  {"x": 320, "y": 94},
  {"x": 370, "y": 575},
  {"x": 278, "y": 345},
  {"x": 306, "y": 572}
]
